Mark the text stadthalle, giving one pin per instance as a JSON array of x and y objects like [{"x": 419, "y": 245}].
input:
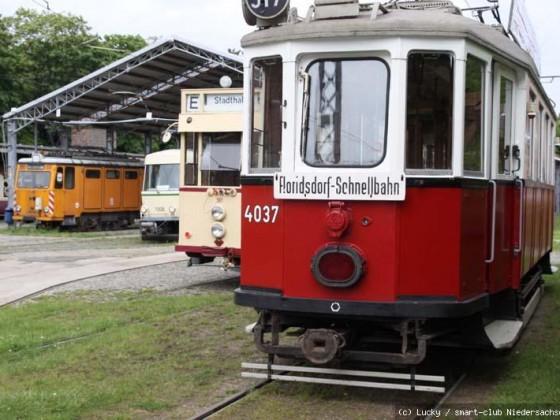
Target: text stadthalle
[{"x": 228, "y": 100}]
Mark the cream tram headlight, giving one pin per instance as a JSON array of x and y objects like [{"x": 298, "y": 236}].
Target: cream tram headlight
[
  {"x": 218, "y": 212},
  {"x": 143, "y": 209},
  {"x": 218, "y": 230},
  {"x": 172, "y": 209}
]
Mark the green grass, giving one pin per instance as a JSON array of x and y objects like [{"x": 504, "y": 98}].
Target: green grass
[
  {"x": 140, "y": 355},
  {"x": 532, "y": 373},
  {"x": 98, "y": 356}
]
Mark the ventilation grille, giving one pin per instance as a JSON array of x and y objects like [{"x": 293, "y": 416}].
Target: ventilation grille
[{"x": 424, "y": 5}]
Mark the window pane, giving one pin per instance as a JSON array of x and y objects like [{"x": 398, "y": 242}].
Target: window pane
[
  {"x": 429, "y": 111},
  {"x": 112, "y": 174},
  {"x": 69, "y": 178},
  {"x": 33, "y": 179},
  {"x": 266, "y": 141},
  {"x": 506, "y": 91},
  {"x": 131, "y": 175},
  {"x": 345, "y": 122},
  {"x": 59, "y": 178},
  {"x": 93, "y": 173},
  {"x": 162, "y": 177},
  {"x": 529, "y": 135},
  {"x": 474, "y": 114},
  {"x": 191, "y": 160},
  {"x": 220, "y": 162}
]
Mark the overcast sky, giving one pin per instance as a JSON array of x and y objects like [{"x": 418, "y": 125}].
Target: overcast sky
[{"x": 219, "y": 23}]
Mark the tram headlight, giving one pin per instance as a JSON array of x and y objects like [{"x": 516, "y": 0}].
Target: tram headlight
[
  {"x": 46, "y": 210},
  {"x": 218, "y": 212},
  {"x": 218, "y": 230},
  {"x": 17, "y": 208},
  {"x": 172, "y": 209},
  {"x": 143, "y": 209}
]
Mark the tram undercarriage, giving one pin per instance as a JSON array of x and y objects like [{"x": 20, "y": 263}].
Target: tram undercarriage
[{"x": 323, "y": 339}]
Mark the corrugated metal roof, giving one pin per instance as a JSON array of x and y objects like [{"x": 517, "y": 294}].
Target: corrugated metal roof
[{"x": 123, "y": 92}]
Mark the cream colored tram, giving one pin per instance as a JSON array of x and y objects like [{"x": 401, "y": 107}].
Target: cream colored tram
[
  {"x": 159, "y": 219},
  {"x": 210, "y": 125}
]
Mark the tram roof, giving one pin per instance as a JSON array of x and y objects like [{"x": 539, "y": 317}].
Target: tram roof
[
  {"x": 414, "y": 23},
  {"x": 86, "y": 161},
  {"x": 123, "y": 92}
]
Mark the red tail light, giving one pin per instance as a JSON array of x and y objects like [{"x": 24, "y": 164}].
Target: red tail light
[{"x": 338, "y": 266}]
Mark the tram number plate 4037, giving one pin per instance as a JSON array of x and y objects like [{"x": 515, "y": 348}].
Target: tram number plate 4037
[{"x": 261, "y": 214}]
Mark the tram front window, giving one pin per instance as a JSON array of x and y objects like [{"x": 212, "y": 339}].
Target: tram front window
[
  {"x": 220, "y": 159},
  {"x": 34, "y": 179},
  {"x": 345, "y": 123},
  {"x": 162, "y": 177}
]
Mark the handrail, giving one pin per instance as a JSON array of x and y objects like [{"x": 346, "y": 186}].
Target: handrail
[
  {"x": 519, "y": 247},
  {"x": 493, "y": 241}
]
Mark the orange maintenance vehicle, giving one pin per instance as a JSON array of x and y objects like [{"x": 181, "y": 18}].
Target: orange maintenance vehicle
[{"x": 84, "y": 193}]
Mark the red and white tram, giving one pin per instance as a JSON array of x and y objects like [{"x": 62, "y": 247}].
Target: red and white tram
[{"x": 397, "y": 182}]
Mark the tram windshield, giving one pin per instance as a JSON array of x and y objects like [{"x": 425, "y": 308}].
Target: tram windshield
[
  {"x": 220, "y": 163},
  {"x": 345, "y": 123},
  {"x": 34, "y": 179},
  {"x": 162, "y": 177}
]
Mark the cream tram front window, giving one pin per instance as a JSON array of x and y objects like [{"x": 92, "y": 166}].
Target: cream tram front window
[
  {"x": 213, "y": 159},
  {"x": 345, "y": 122},
  {"x": 266, "y": 121},
  {"x": 220, "y": 160},
  {"x": 429, "y": 112},
  {"x": 34, "y": 179},
  {"x": 162, "y": 177}
]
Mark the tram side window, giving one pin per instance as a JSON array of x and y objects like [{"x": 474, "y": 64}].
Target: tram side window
[
  {"x": 551, "y": 158},
  {"x": 112, "y": 174},
  {"x": 474, "y": 117},
  {"x": 506, "y": 116},
  {"x": 131, "y": 175},
  {"x": 542, "y": 142},
  {"x": 58, "y": 181},
  {"x": 191, "y": 160},
  {"x": 530, "y": 135},
  {"x": 536, "y": 144},
  {"x": 546, "y": 153},
  {"x": 69, "y": 178},
  {"x": 220, "y": 162},
  {"x": 345, "y": 122},
  {"x": 429, "y": 111},
  {"x": 93, "y": 174},
  {"x": 266, "y": 139}
]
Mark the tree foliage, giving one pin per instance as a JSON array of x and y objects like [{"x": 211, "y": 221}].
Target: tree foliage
[
  {"x": 42, "y": 52},
  {"x": 48, "y": 50}
]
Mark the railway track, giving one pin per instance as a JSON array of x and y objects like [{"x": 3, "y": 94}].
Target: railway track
[{"x": 421, "y": 410}]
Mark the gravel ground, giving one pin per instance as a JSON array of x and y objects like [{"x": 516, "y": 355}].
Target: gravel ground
[
  {"x": 169, "y": 278},
  {"x": 172, "y": 278}
]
